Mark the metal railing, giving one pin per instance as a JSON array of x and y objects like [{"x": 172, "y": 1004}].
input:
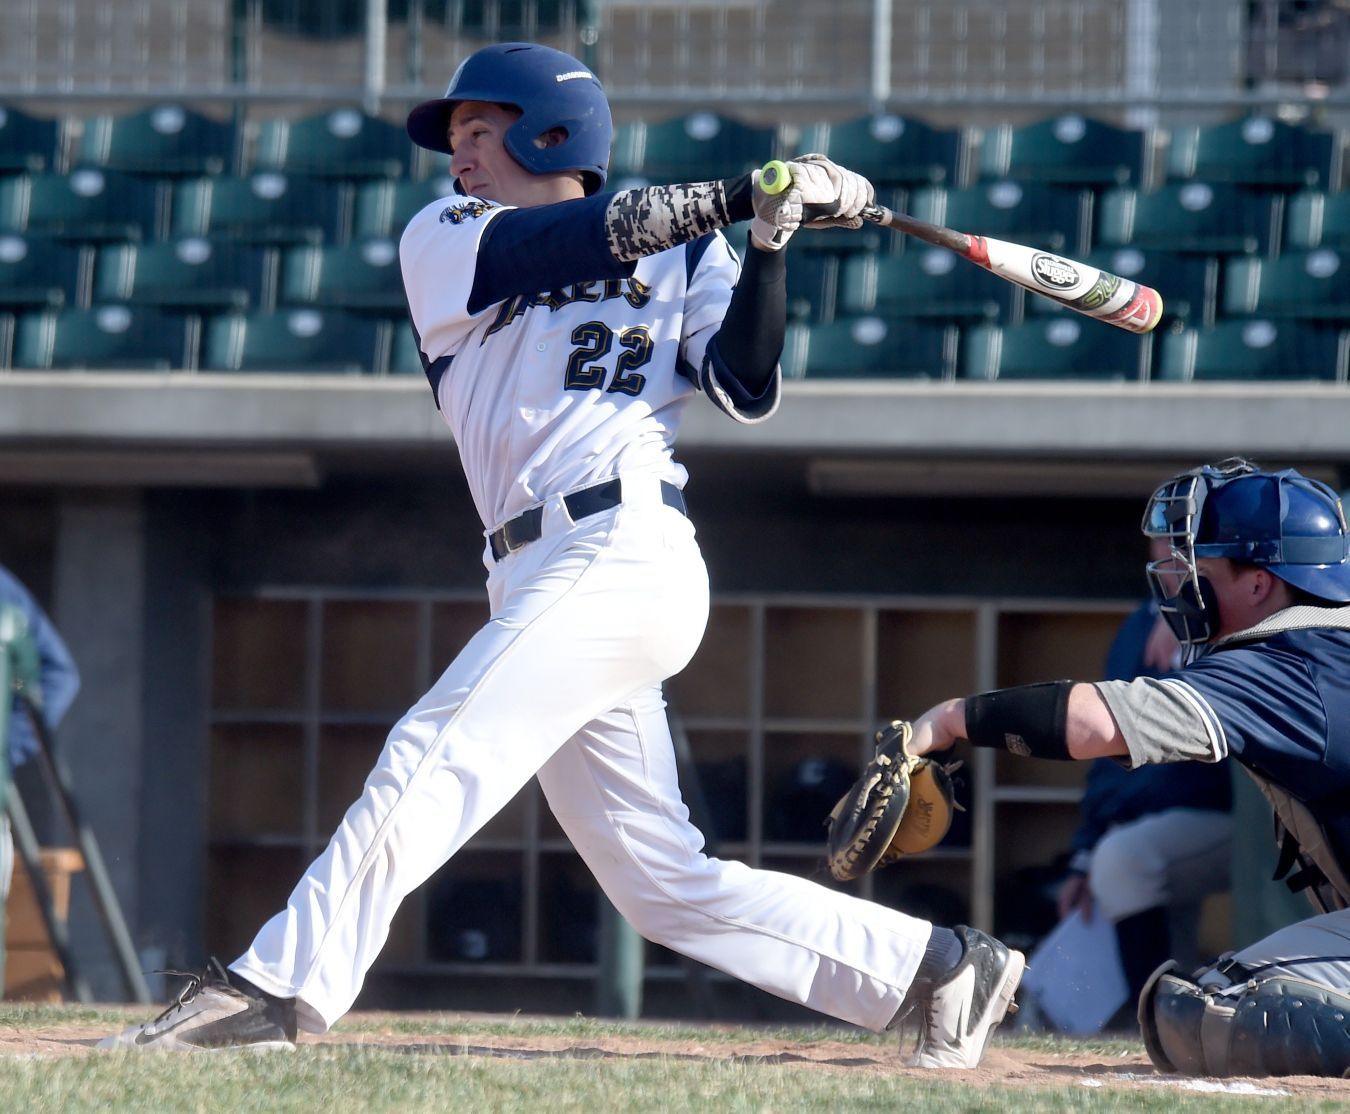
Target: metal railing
[{"x": 1114, "y": 56}]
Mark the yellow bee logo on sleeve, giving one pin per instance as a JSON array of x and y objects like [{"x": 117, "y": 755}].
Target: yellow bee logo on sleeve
[{"x": 464, "y": 210}]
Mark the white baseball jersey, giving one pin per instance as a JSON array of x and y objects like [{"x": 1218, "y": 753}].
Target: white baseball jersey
[{"x": 548, "y": 393}]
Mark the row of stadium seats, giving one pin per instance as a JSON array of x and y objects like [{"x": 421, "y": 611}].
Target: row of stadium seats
[
  {"x": 142, "y": 338},
  {"x": 195, "y": 272},
  {"x": 222, "y": 273},
  {"x": 934, "y": 283},
  {"x": 1066, "y": 347},
  {"x": 271, "y": 207},
  {"x": 310, "y": 340},
  {"x": 171, "y": 140}
]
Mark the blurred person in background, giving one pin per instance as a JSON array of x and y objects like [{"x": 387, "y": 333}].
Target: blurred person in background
[
  {"x": 58, "y": 681},
  {"x": 1153, "y": 842}
]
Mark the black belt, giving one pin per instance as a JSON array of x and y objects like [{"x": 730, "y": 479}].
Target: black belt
[{"x": 529, "y": 525}]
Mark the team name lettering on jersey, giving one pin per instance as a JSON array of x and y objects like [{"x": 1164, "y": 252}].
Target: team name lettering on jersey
[{"x": 633, "y": 290}]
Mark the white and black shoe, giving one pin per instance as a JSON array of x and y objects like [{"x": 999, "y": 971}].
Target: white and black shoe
[
  {"x": 212, "y": 1014},
  {"x": 957, "y": 1015}
]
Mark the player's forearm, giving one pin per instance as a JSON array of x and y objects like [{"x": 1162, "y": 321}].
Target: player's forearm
[
  {"x": 1058, "y": 720},
  {"x": 749, "y": 343},
  {"x": 653, "y": 218}
]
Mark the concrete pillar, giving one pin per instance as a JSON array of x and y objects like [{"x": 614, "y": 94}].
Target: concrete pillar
[{"x": 99, "y": 596}]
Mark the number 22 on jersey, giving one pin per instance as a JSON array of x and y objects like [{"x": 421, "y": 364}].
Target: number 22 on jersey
[{"x": 595, "y": 340}]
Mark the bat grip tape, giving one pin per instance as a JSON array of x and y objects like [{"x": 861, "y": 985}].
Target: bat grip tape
[{"x": 1028, "y": 720}]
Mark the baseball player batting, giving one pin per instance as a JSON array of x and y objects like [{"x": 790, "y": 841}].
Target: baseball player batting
[{"x": 564, "y": 331}]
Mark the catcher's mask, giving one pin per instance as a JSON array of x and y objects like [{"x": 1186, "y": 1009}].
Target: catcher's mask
[{"x": 1281, "y": 521}]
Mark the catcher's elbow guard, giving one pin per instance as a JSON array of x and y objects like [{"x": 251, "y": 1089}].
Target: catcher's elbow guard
[{"x": 902, "y": 805}]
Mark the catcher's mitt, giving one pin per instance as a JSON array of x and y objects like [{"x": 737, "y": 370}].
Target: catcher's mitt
[{"x": 900, "y": 806}]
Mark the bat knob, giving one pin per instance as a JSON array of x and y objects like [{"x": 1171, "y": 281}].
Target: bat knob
[{"x": 775, "y": 177}]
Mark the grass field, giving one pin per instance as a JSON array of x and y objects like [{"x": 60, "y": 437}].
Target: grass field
[{"x": 457, "y": 1062}]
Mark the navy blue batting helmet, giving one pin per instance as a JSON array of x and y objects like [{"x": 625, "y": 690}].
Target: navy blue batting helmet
[
  {"x": 1282, "y": 521},
  {"x": 551, "y": 89}
]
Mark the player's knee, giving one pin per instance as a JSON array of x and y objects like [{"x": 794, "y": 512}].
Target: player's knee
[
  {"x": 1274, "y": 1026},
  {"x": 1123, "y": 882}
]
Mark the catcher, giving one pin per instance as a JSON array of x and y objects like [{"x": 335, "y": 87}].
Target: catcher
[{"x": 1257, "y": 587}]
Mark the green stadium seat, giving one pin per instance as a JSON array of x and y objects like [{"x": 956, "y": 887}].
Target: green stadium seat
[
  {"x": 359, "y": 276},
  {"x": 189, "y": 272},
  {"x": 1256, "y": 151},
  {"x": 1070, "y": 150},
  {"x": 104, "y": 338},
  {"x": 1251, "y": 349},
  {"x": 1033, "y": 213},
  {"x": 263, "y": 208},
  {"x": 36, "y": 271},
  {"x": 924, "y": 282},
  {"x": 1189, "y": 283},
  {"x": 404, "y": 358},
  {"x": 344, "y": 143},
  {"x": 695, "y": 148},
  {"x": 29, "y": 144},
  {"x": 870, "y": 347},
  {"x": 1314, "y": 219},
  {"x": 625, "y": 155},
  {"x": 812, "y": 279},
  {"x": 888, "y": 150},
  {"x": 86, "y": 204},
  {"x": 1190, "y": 217},
  {"x": 295, "y": 340},
  {"x": 168, "y": 140},
  {"x": 385, "y": 208},
  {"x": 1063, "y": 347},
  {"x": 1313, "y": 285}
]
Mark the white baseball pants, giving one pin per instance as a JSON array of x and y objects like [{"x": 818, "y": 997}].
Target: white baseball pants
[
  {"x": 564, "y": 680},
  {"x": 1174, "y": 857},
  {"x": 1317, "y": 950}
]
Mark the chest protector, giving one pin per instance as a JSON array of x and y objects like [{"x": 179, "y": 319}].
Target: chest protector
[{"x": 1306, "y": 843}]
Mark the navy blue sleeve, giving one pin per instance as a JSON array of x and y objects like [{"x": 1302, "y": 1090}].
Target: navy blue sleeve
[{"x": 544, "y": 247}]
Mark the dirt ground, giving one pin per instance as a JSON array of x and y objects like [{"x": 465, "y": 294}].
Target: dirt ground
[{"x": 1003, "y": 1066}]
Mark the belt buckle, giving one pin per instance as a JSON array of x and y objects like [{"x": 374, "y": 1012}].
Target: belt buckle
[{"x": 508, "y": 543}]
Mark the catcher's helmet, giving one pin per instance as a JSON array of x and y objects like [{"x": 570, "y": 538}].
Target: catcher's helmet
[
  {"x": 551, "y": 89},
  {"x": 1282, "y": 521}
]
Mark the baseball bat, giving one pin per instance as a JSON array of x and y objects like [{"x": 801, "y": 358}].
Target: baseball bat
[{"x": 1117, "y": 301}]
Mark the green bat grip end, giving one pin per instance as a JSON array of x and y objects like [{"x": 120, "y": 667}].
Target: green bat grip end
[{"x": 775, "y": 177}]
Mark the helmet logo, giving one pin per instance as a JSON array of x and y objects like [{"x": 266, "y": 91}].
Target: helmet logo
[{"x": 572, "y": 75}]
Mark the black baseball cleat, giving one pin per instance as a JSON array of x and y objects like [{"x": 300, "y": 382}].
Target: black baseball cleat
[
  {"x": 957, "y": 1015},
  {"x": 211, "y": 1014}
]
